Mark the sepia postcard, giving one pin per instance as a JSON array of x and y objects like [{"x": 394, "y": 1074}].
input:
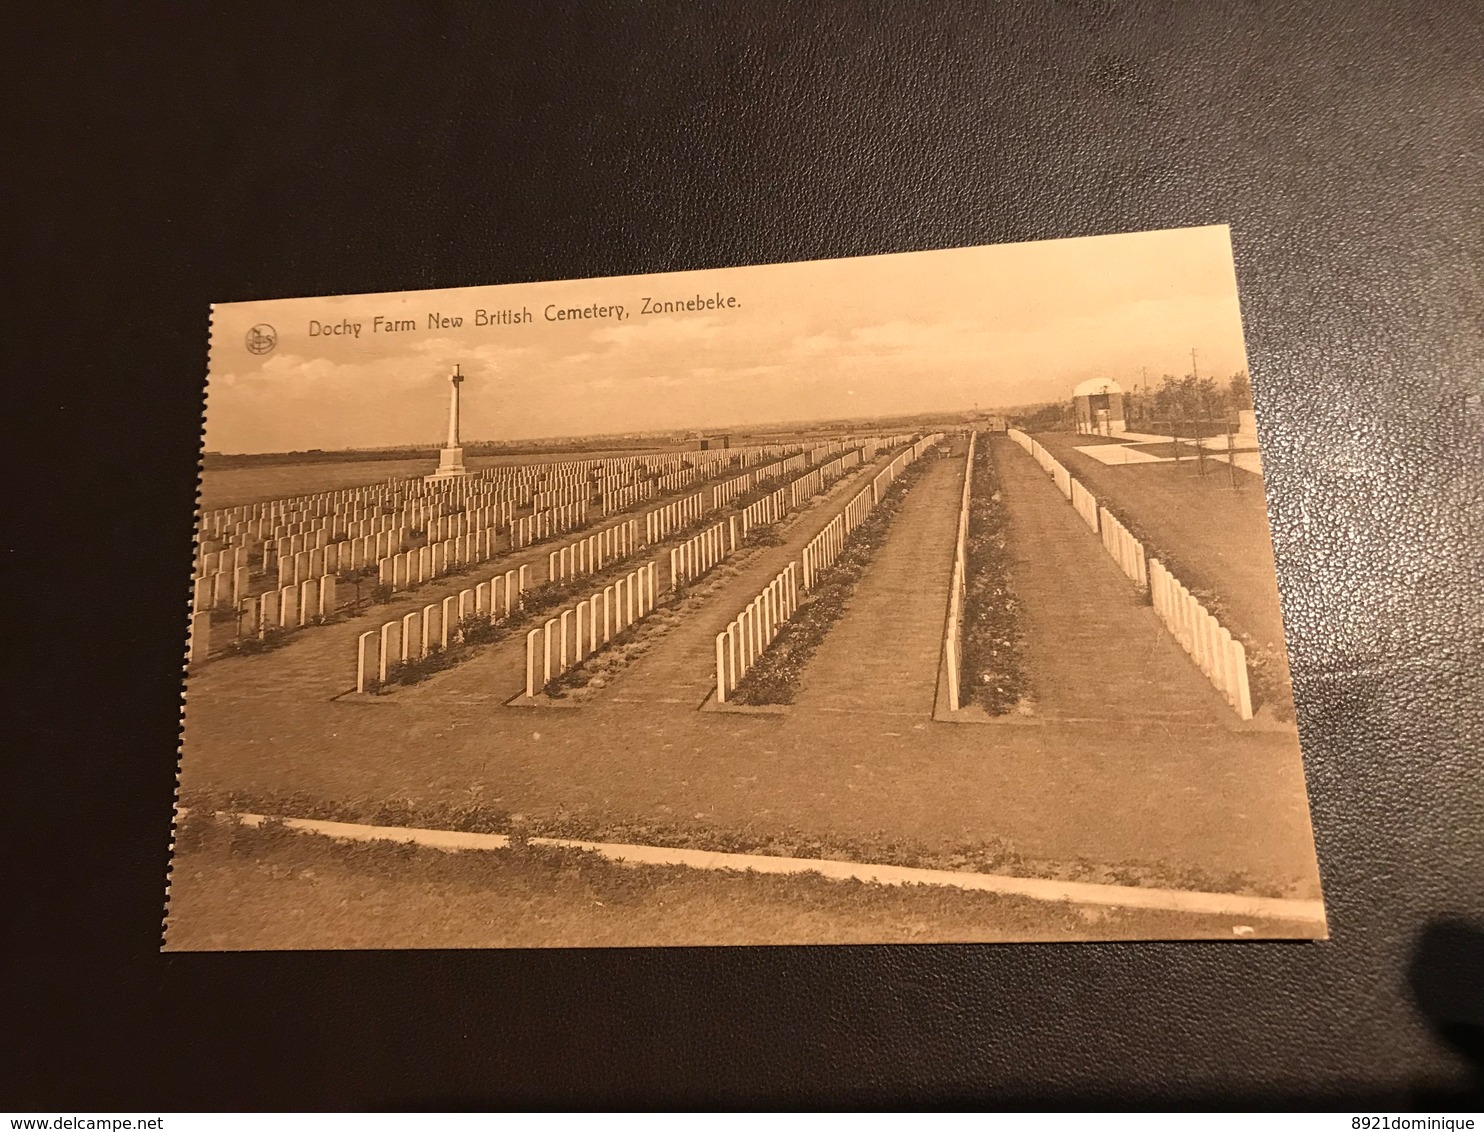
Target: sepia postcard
[{"x": 922, "y": 597}]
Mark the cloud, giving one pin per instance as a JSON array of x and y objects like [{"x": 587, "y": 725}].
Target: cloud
[{"x": 890, "y": 334}]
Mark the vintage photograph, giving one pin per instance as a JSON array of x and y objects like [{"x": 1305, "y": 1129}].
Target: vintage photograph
[{"x": 925, "y": 597}]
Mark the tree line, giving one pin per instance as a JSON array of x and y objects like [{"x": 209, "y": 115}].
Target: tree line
[
  {"x": 1190, "y": 398},
  {"x": 1183, "y": 399}
]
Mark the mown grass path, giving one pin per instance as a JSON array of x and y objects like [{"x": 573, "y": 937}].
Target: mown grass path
[
  {"x": 882, "y": 656},
  {"x": 1093, "y": 649},
  {"x": 1214, "y": 536}
]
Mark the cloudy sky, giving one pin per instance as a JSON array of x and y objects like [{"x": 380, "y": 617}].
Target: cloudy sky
[{"x": 876, "y": 335}]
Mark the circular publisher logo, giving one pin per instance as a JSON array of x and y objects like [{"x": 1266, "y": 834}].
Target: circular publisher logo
[{"x": 261, "y": 338}]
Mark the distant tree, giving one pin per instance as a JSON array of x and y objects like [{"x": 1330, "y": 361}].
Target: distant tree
[
  {"x": 1240, "y": 391},
  {"x": 1134, "y": 408},
  {"x": 1210, "y": 400},
  {"x": 1044, "y": 419},
  {"x": 1167, "y": 399},
  {"x": 1189, "y": 393}
]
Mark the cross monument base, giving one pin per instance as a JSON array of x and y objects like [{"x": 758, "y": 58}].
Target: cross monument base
[{"x": 450, "y": 465}]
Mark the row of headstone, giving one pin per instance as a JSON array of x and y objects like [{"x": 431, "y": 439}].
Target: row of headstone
[
  {"x": 622, "y": 498},
  {"x": 343, "y": 511},
  {"x": 791, "y": 464},
  {"x": 613, "y": 479},
  {"x": 672, "y": 516},
  {"x": 294, "y": 606},
  {"x": 824, "y": 549},
  {"x": 1123, "y": 548},
  {"x": 1049, "y": 463},
  {"x": 567, "y": 638},
  {"x": 1221, "y": 657},
  {"x": 728, "y": 490},
  {"x": 676, "y": 481},
  {"x": 223, "y": 590},
  {"x": 828, "y": 449},
  {"x": 414, "y": 567},
  {"x": 437, "y": 624},
  {"x": 805, "y": 487},
  {"x": 874, "y": 446},
  {"x": 765, "y": 511},
  {"x": 1084, "y": 503},
  {"x": 303, "y": 513},
  {"x": 589, "y": 555},
  {"x": 739, "y": 645},
  {"x": 696, "y": 555},
  {"x": 816, "y": 480},
  {"x": 884, "y": 478},
  {"x": 544, "y": 524},
  {"x": 338, "y": 557},
  {"x": 724, "y": 493},
  {"x": 210, "y": 561},
  {"x": 559, "y": 497},
  {"x": 958, "y": 587},
  {"x": 310, "y": 556},
  {"x": 467, "y": 522}
]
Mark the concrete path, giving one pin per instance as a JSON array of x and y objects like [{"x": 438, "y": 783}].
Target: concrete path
[
  {"x": 1094, "y": 650},
  {"x": 882, "y": 656},
  {"x": 1121, "y": 454},
  {"x": 1245, "y": 461}
]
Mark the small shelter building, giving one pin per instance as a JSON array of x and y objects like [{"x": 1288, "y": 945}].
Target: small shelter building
[{"x": 1098, "y": 406}]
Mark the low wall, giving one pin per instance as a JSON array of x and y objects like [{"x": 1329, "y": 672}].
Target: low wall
[{"x": 953, "y": 629}]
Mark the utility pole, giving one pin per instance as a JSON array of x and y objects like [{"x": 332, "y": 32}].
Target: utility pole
[{"x": 1192, "y": 362}]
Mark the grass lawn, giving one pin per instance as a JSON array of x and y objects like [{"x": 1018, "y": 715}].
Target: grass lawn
[
  {"x": 1214, "y": 537},
  {"x": 234, "y": 888}
]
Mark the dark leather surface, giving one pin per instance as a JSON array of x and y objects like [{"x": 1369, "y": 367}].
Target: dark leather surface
[{"x": 162, "y": 163}]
